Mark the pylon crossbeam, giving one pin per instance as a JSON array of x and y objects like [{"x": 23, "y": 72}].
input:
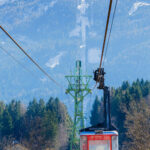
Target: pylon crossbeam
[{"x": 78, "y": 88}]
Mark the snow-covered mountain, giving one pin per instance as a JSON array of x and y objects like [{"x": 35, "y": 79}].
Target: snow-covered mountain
[{"x": 58, "y": 32}]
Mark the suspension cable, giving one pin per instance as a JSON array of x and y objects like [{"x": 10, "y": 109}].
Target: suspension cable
[
  {"x": 105, "y": 35},
  {"x": 37, "y": 65},
  {"x": 110, "y": 31},
  {"x": 17, "y": 61}
]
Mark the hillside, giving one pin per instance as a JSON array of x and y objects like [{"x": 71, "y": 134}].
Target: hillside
[
  {"x": 40, "y": 125},
  {"x": 130, "y": 112}
]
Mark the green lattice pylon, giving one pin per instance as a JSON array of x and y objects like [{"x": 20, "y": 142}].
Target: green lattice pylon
[{"x": 78, "y": 88}]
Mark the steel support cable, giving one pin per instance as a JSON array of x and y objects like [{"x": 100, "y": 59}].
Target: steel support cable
[
  {"x": 110, "y": 32},
  {"x": 38, "y": 66},
  {"x": 105, "y": 35},
  {"x": 104, "y": 41},
  {"x": 17, "y": 61}
]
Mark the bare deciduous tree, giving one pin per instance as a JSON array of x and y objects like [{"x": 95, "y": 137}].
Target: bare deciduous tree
[{"x": 138, "y": 126}]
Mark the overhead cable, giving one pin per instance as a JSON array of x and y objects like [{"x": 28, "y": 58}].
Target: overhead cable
[
  {"x": 110, "y": 31},
  {"x": 105, "y": 35},
  {"x": 17, "y": 61},
  {"x": 37, "y": 65},
  {"x": 104, "y": 40}
]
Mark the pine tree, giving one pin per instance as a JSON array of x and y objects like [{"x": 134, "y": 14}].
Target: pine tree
[
  {"x": 14, "y": 109},
  {"x": 2, "y": 107},
  {"x": 125, "y": 85},
  {"x": 41, "y": 108},
  {"x": 7, "y": 124},
  {"x": 96, "y": 113},
  {"x": 32, "y": 109}
]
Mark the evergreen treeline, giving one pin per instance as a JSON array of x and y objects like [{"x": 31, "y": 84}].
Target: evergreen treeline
[
  {"x": 130, "y": 111},
  {"x": 39, "y": 126}
]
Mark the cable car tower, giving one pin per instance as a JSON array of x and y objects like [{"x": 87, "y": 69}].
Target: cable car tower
[{"x": 78, "y": 88}]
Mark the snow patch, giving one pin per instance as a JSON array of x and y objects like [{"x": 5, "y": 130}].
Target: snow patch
[
  {"x": 82, "y": 46},
  {"x": 82, "y": 7},
  {"x": 136, "y": 6},
  {"x": 75, "y": 32},
  {"x": 53, "y": 62}
]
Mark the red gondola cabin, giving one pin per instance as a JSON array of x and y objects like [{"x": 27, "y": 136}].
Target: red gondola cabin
[{"x": 94, "y": 138}]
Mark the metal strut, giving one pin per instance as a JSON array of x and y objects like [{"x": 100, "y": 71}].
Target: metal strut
[
  {"x": 78, "y": 88},
  {"x": 107, "y": 117},
  {"x": 99, "y": 78}
]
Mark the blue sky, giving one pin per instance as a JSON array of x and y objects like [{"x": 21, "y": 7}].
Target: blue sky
[{"x": 58, "y": 32}]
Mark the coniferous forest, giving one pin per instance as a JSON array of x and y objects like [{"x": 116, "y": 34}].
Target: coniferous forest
[
  {"x": 40, "y": 125},
  {"x": 130, "y": 112},
  {"x": 47, "y": 125}
]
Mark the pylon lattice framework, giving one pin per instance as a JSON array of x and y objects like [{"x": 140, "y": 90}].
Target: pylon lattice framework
[{"x": 78, "y": 88}]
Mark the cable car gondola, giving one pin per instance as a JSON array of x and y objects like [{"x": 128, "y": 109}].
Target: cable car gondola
[
  {"x": 97, "y": 138},
  {"x": 102, "y": 136}
]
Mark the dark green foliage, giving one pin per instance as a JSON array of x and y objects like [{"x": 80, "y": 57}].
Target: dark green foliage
[
  {"x": 37, "y": 127},
  {"x": 14, "y": 109},
  {"x": 121, "y": 98},
  {"x": 96, "y": 113},
  {"x": 7, "y": 124},
  {"x": 2, "y": 107}
]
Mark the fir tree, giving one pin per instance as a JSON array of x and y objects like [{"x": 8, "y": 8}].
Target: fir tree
[
  {"x": 96, "y": 116},
  {"x": 7, "y": 124}
]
